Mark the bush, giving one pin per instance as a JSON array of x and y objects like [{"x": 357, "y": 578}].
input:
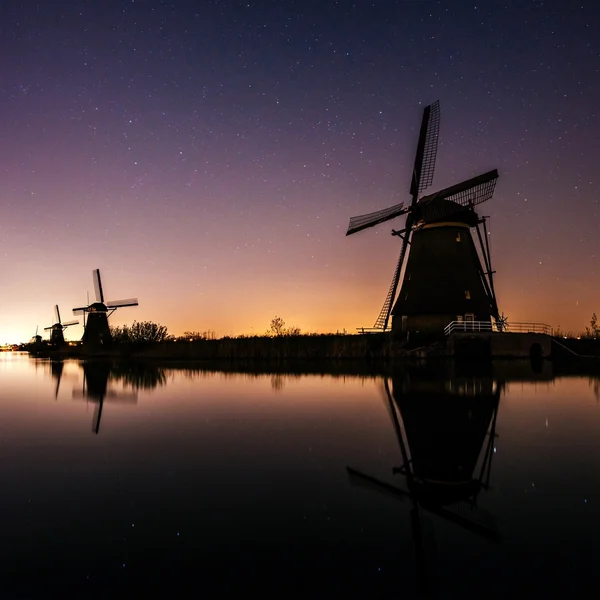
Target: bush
[{"x": 145, "y": 332}]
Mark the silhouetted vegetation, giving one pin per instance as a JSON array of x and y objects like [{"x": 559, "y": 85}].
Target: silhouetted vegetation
[
  {"x": 593, "y": 331},
  {"x": 196, "y": 336},
  {"x": 144, "y": 332},
  {"x": 279, "y": 329}
]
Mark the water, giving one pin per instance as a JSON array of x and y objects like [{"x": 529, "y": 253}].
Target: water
[{"x": 177, "y": 480}]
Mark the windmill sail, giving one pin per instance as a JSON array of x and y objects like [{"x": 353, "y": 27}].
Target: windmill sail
[
  {"x": 98, "y": 286},
  {"x": 379, "y": 216},
  {"x": 120, "y": 303},
  {"x": 384, "y": 314},
  {"x": 426, "y": 149},
  {"x": 467, "y": 194}
]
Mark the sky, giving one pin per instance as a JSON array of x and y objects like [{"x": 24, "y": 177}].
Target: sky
[{"x": 206, "y": 156}]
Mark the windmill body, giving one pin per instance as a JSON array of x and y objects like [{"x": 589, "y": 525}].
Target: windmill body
[
  {"x": 445, "y": 277},
  {"x": 96, "y": 332},
  {"x": 442, "y": 278}
]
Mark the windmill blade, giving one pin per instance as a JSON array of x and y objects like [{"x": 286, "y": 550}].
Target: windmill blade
[
  {"x": 80, "y": 311},
  {"x": 384, "y": 314},
  {"x": 379, "y": 216},
  {"x": 393, "y": 414},
  {"x": 359, "y": 479},
  {"x": 47, "y": 328},
  {"x": 69, "y": 323},
  {"x": 470, "y": 517},
  {"x": 461, "y": 196},
  {"x": 96, "y": 418},
  {"x": 98, "y": 285},
  {"x": 120, "y": 303},
  {"x": 56, "y": 314},
  {"x": 426, "y": 150}
]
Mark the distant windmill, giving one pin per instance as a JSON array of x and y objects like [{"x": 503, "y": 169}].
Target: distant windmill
[
  {"x": 96, "y": 331},
  {"x": 56, "y": 336},
  {"x": 36, "y": 339},
  {"x": 444, "y": 279}
]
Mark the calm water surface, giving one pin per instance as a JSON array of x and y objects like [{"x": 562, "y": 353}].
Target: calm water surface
[{"x": 177, "y": 480}]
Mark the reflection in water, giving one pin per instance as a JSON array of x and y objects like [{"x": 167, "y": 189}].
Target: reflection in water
[
  {"x": 56, "y": 370},
  {"x": 595, "y": 384},
  {"x": 445, "y": 430},
  {"x": 138, "y": 375},
  {"x": 97, "y": 375},
  {"x": 165, "y": 499}
]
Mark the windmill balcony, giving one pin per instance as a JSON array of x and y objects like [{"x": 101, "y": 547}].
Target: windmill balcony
[{"x": 488, "y": 326}]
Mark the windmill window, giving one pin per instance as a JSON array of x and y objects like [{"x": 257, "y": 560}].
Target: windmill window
[
  {"x": 458, "y": 236},
  {"x": 467, "y": 294}
]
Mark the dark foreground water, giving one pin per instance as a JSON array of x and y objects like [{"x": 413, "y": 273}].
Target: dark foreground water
[{"x": 118, "y": 480}]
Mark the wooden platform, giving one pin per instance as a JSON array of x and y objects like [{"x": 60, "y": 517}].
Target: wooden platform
[{"x": 491, "y": 344}]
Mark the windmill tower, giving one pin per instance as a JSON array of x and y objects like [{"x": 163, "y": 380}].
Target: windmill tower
[
  {"x": 56, "y": 331},
  {"x": 444, "y": 277},
  {"x": 97, "y": 332}
]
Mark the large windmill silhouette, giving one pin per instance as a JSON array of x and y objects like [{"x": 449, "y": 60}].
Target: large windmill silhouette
[
  {"x": 56, "y": 330},
  {"x": 444, "y": 277},
  {"x": 446, "y": 434},
  {"x": 96, "y": 330}
]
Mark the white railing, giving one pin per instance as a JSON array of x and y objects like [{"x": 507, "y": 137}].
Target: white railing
[{"x": 483, "y": 326}]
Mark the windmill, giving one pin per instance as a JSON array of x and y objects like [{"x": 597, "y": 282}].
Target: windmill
[
  {"x": 96, "y": 330},
  {"x": 56, "y": 336},
  {"x": 444, "y": 278},
  {"x": 441, "y": 428},
  {"x": 36, "y": 339}
]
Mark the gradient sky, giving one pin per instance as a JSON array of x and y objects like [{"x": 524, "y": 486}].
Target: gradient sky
[{"x": 206, "y": 156}]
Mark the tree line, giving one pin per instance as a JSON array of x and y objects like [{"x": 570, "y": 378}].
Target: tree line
[{"x": 147, "y": 332}]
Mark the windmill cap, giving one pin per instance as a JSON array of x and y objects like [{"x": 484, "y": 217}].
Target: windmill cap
[{"x": 439, "y": 210}]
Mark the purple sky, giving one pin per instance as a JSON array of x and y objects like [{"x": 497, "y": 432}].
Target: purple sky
[{"x": 206, "y": 156}]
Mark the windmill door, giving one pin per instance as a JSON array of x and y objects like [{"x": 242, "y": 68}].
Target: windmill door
[{"x": 469, "y": 321}]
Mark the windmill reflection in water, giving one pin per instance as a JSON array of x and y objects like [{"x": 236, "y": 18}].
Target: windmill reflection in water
[
  {"x": 96, "y": 377},
  {"x": 446, "y": 432}
]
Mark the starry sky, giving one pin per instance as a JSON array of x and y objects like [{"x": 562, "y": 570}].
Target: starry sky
[{"x": 206, "y": 155}]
